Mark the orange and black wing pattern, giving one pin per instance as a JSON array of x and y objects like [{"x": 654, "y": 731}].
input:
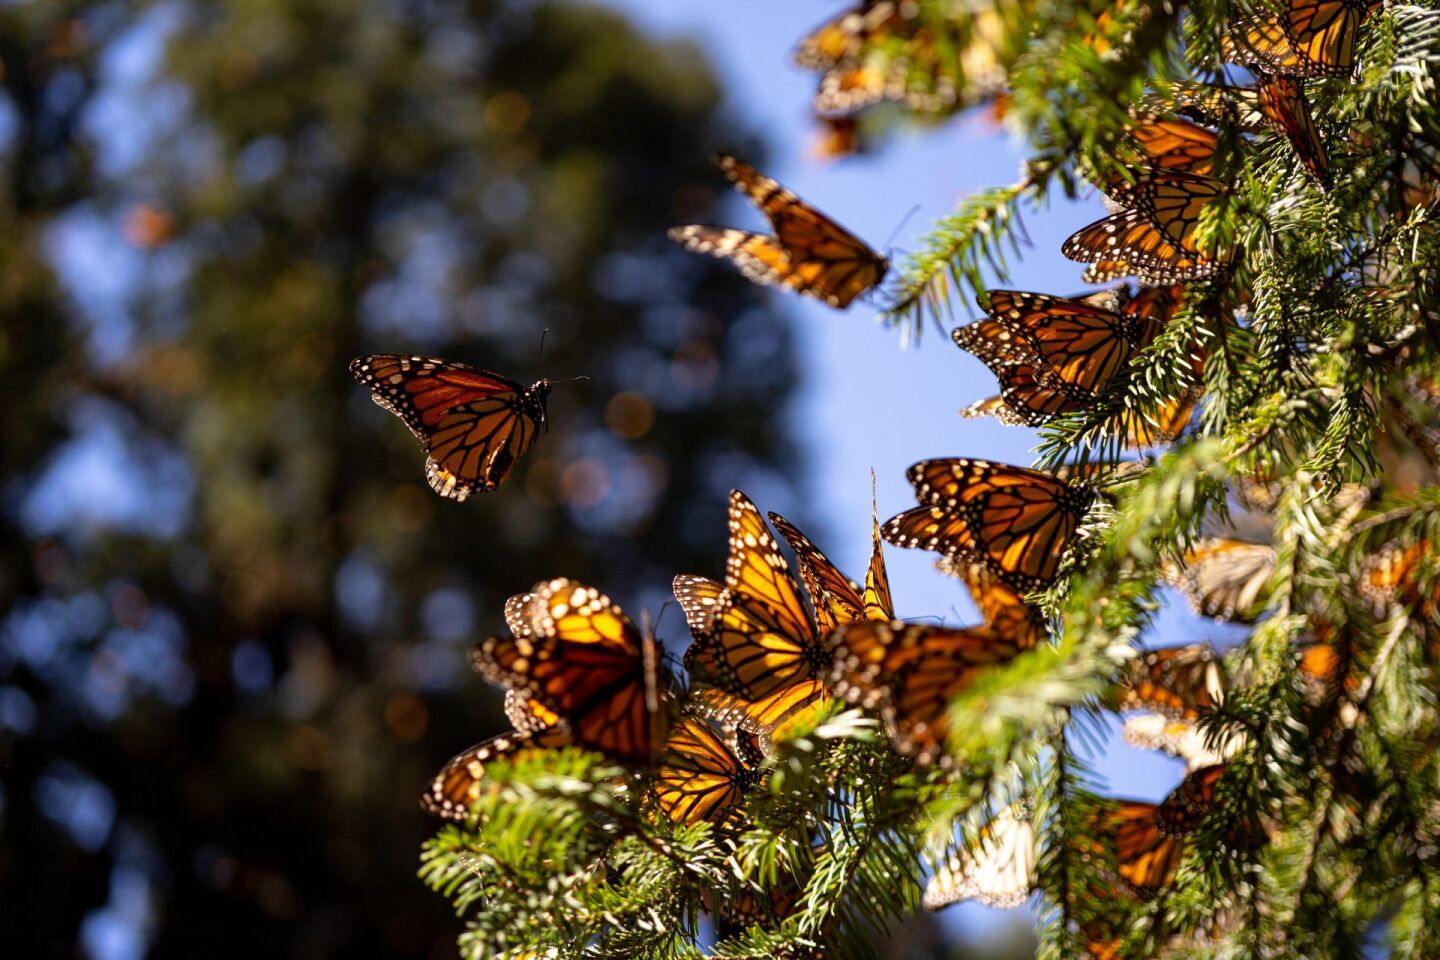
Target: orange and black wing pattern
[
  {"x": 475, "y": 425},
  {"x": 1283, "y": 104},
  {"x": 1170, "y": 143},
  {"x": 1181, "y": 682},
  {"x": 1155, "y": 236},
  {"x": 1146, "y": 857},
  {"x": 1189, "y": 804},
  {"x": 835, "y": 597},
  {"x": 809, "y": 253},
  {"x": 1312, "y": 38},
  {"x": 453, "y": 792},
  {"x": 910, "y": 672},
  {"x": 1015, "y": 520},
  {"x": 701, "y": 777},
  {"x": 586, "y": 663},
  {"x": 1005, "y": 612},
  {"x": 1226, "y": 579}
]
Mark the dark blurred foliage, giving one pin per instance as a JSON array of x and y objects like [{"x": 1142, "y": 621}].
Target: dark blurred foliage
[{"x": 233, "y": 645}]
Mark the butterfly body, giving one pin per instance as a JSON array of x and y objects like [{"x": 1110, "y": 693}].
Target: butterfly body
[{"x": 475, "y": 425}]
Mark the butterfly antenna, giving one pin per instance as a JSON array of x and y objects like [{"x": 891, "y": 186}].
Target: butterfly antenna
[
  {"x": 541, "y": 364},
  {"x": 569, "y": 380},
  {"x": 900, "y": 226}
]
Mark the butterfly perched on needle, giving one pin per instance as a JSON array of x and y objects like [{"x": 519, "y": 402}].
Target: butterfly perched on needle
[
  {"x": 1146, "y": 857},
  {"x": 910, "y": 672},
  {"x": 1004, "y": 612},
  {"x": 475, "y": 425},
  {"x": 754, "y": 639},
  {"x": 577, "y": 671},
  {"x": 1224, "y": 578},
  {"x": 1181, "y": 682},
  {"x": 1014, "y": 520},
  {"x": 834, "y": 597},
  {"x": 1154, "y": 236},
  {"x": 1053, "y": 355},
  {"x": 702, "y": 776},
  {"x": 998, "y": 870},
  {"x": 809, "y": 253},
  {"x": 1308, "y": 40}
]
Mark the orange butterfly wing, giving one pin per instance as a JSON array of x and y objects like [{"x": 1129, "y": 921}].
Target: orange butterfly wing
[{"x": 475, "y": 425}]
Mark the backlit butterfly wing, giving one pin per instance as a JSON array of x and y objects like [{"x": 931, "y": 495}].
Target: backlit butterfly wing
[
  {"x": 1006, "y": 614},
  {"x": 1082, "y": 345},
  {"x": 910, "y": 672},
  {"x": 475, "y": 425},
  {"x": 1225, "y": 579},
  {"x": 1390, "y": 574},
  {"x": 1145, "y": 856},
  {"x": 1018, "y": 521},
  {"x": 1313, "y": 38},
  {"x": 835, "y": 598},
  {"x": 1157, "y": 236},
  {"x": 1177, "y": 681},
  {"x": 932, "y": 528},
  {"x": 699, "y": 599},
  {"x": 1178, "y": 738},
  {"x": 754, "y": 654},
  {"x": 760, "y": 258},
  {"x": 585, "y": 662},
  {"x": 461, "y": 782},
  {"x": 527, "y": 715},
  {"x": 700, "y": 777},
  {"x": 1188, "y": 804},
  {"x": 1174, "y": 144},
  {"x": 756, "y": 567},
  {"x": 827, "y": 261},
  {"x": 1283, "y": 104},
  {"x": 842, "y": 38},
  {"x": 998, "y": 872},
  {"x": 877, "y": 603},
  {"x": 1164, "y": 425}
]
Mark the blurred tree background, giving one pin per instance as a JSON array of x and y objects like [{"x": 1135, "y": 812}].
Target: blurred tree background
[{"x": 232, "y": 648}]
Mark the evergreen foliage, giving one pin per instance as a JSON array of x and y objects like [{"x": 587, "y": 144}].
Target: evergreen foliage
[{"x": 1315, "y": 354}]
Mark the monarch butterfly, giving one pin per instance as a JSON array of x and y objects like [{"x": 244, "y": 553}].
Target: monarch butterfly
[
  {"x": 834, "y": 597},
  {"x": 836, "y": 137},
  {"x": 837, "y": 48},
  {"x": 461, "y": 782},
  {"x": 1015, "y": 520},
  {"x": 757, "y": 641},
  {"x": 1154, "y": 236},
  {"x": 1224, "y": 578},
  {"x": 810, "y": 253},
  {"x": 474, "y": 424},
  {"x": 910, "y": 672},
  {"x": 1079, "y": 345},
  {"x": 999, "y": 871},
  {"x": 1164, "y": 425},
  {"x": 1312, "y": 38},
  {"x": 1170, "y": 143},
  {"x": 700, "y": 777},
  {"x": 1181, "y": 682},
  {"x": 1005, "y": 613},
  {"x": 1283, "y": 105},
  {"x": 584, "y": 661},
  {"x": 748, "y": 906},
  {"x": 1177, "y": 737},
  {"x": 1146, "y": 857},
  {"x": 1188, "y": 804},
  {"x": 1391, "y": 575}
]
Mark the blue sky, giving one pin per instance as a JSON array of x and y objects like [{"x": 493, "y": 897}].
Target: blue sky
[{"x": 864, "y": 401}]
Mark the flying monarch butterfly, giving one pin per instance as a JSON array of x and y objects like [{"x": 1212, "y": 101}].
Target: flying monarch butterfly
[
  {"x": 910, "y": 672},
  {"x": 474, "y": 424},
  {"x": 461, "y": 782},
  {"x": 838, "y": 49},
  {"x": 1312, "y": 38},
  {"x": 1179, "y": 738},
  {"x": 700, "y": 777},
  {"x": 999, "y": 871},
  {"x": 1224, "y": 578},
  {"x": 834, "y": 597},
  {"x": 1015, "y": 520},
  {"x": 1154, "y": 236},
  {"x": 756, "y": 640},
  {"x": 1005, "y": 613},
  {"x": 810, "y": 253},
  {"x": 585, "y": 662},
  {"x": 1188, "y": 804},
  {"x": 1181, "y": 682},
  {"x": 1146, "y": 857}
]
